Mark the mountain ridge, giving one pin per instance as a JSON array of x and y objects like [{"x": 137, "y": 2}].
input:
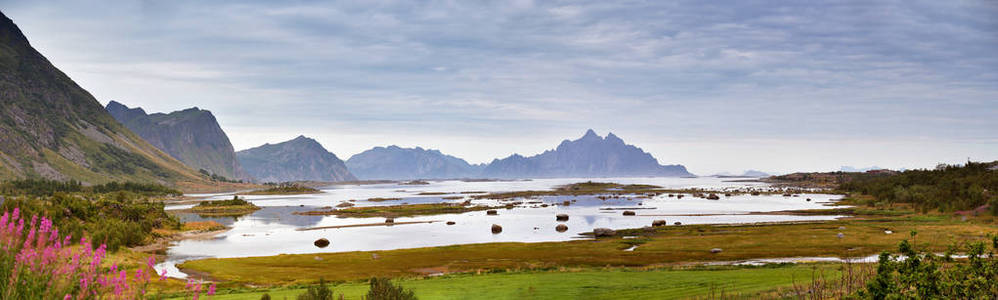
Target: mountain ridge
[
  {"x": 54, "y": 129},
  {"x": 398, "y": 163},
  {"x": 298, "y": 159},
  {"x": 588, "y": 156},
  {"x": 191, "y": 135}
]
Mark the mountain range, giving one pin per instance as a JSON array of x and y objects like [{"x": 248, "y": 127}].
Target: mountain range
[
  {"x": 298, "y": 159},
  {"x": 192, "y": 136},
  {"x": 588, "y": 156},
  {"x": 52, "y": 128},
  {"x": 394, "y": 162}
]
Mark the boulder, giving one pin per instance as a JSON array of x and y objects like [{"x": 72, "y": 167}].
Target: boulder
[
  {"x": 727, "y": 194},
  {"x": 451, "y": 223},
  {"x": 602, "y": 232},
  {"x": 492, "y": 212},
  {"x": 671, "y": 195},
  {"x": 496, "y": 228},
  {"x": 321, "y": 243},
  {"x": 629, "y": 213},
  {"x": 841, "y": 235},
  {"x": 566, "y": 203},
  {"x": 713, "y": 196},
  {"x": 390, "y": 220},
  {"x": 808, "y": 199},
  {"x": 561, "y": 228},
  {"x": 755, "y": 193},
  {"x": 678, "y": 223},
  {"x": 716, "y": 250},
  {"x": 680, "y": 196},
  {"x": 561, "y": 218},
  {"x": 658, "y": 223}
]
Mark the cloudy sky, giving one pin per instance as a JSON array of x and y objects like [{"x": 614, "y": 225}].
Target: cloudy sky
[{"x": 714, "y": 85}]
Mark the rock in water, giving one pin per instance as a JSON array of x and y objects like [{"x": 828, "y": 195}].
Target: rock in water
[
  {"x": 561, "y": 228},
  {"x": 658, "y": 223},
  {"x": 390, "y": 220},
  {"x": 602, "y": 232},
  {"x": 496, "y": 229},
  {"x": 321, "y": 243},
  {"x": 492, "y": 212},
  {"x": 678, "y": 223},
  {"x": 561, "y": 218},
  {"x": 628, "y": 213},
  {"x": 716, "y": 250},
  {"x": 713, "y": 196},
  {"x": 451, "y": 223}
]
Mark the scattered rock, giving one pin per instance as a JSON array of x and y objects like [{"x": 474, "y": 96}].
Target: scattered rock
[
  {"x": 602, "y": 232},
  {"x": 321, "y": 243},
  {"x": 629, "y": 213},
  {"x": 658, "y": 223},
  {"x": 888, "y": 232},
  {"x": 755, "y": 193},
  {"x": 566, "y": 203},
  {"x": 561, "y": 228},
  {"x": 451, "y": 223},
  {"x": 716, "y": 250},
  {"x": 544, "y": 205},
  {"x": 390, "y": 220},
  {"x": 492, "y": 212},
  {"x": 680, "y": 196},
  {"x": 727, "y": 194},
  {"x": 841, "y": 235},
  {"x": 561, "y": 218},
  {"x": 678, "y": 223},
  {"x": 713, "y": 196},
  {"x": 809, "y": 199},
  {"x": 496, "y": 228},
  {"x": 671, "y": 195},
  {"x": 787, "y": 195}
]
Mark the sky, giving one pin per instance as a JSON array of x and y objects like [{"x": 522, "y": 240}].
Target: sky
[{"x": 718, "y": 86}]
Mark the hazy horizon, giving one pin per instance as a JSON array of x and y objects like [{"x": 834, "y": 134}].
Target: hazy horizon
[{"x": 718, "y": 87}]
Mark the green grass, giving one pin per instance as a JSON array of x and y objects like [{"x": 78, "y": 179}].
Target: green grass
[{"x": 613, "y": 283}]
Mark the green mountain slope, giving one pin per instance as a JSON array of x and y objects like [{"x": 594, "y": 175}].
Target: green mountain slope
[{"x": 50, "y": 127}]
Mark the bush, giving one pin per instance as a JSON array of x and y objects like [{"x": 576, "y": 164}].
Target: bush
[
  {"x": 383, "y": 289},
  {"x": 947, "y": 188},
  {"x": 317, "y": 292},
  {"x": 917, "y": 275}
]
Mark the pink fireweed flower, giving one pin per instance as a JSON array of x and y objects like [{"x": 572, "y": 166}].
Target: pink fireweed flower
[
  {"x": 211, "y": 289},
  {"x": 162, "y": 275}
]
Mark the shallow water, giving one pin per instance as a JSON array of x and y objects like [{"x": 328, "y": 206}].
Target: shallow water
[{"x": 276, "y": 230}]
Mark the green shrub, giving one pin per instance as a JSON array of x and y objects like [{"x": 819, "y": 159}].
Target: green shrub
[
  {"x": 383, "y": 289},
  {"x": 918, "y": 275},
  {"x": 317, "y": 292}
]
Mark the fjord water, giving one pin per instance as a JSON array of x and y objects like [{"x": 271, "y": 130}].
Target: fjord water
[{"x": 275, "y": 229}]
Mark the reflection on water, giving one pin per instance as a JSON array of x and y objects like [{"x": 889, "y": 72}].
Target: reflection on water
[{"x": 274, "y": 229}]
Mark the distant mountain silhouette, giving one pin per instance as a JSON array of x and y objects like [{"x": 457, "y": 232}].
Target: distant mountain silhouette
[
  {"x": 589, "y": 156},
  {"x": 399, "y": 163},
  {"x": 299, "y": 159},
  {"x": 192, "y": 135},
  {"x": 52, "y": 128}
]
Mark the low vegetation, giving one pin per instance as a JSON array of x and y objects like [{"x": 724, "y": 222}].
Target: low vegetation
[
  {"x": 233, "y": 207},
  {"x": 947, "y": 188},
  {"x": 115, "y": 219},
  {"x": 914, "y": 274},
  {"x": 285, "y": 189},
  {"x": 45, "y": 187},
  {"x": 400, "y": 210},
  {"x": 660, "y": 245}
]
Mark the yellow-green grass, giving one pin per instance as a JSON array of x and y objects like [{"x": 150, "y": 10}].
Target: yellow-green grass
[
  {"x": 399, "y": 210},
  {"x": 590, "y": 283},
  {"x": 284, "y": 190},
  {"x": 226, "y": 210},
  {"x": 667, "y": 245}
]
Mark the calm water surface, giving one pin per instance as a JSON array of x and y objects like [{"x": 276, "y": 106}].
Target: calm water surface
[{"x": 276, "y": 230}]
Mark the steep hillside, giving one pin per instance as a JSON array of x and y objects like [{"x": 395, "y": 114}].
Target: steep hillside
[
  {"x": 192, "y": 135},
  {"x": 394, "y": 162},
  {"x": 52, "y": 128},
  {"x": 589, "y": 156},
  {"x": 299, "y": 159}
]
